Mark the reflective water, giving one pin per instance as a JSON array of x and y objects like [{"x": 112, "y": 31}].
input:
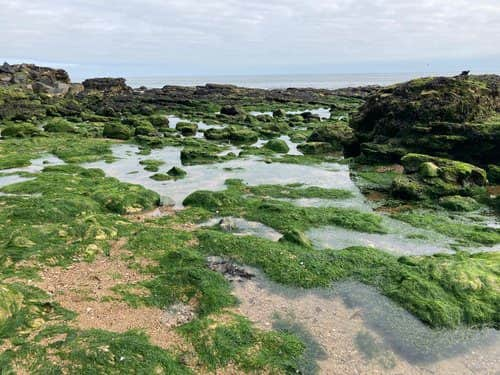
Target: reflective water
[
  {"x": 353, "y": 329},
  {"x": 211, "y": 177},
  {"x": 242, "y": 227},
  {"x": 11, "y": 176}
]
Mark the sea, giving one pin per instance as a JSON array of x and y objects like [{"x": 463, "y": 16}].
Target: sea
[{"x": 281, "y": 81}]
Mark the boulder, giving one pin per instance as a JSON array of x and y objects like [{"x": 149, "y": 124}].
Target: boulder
[
  {"x": 231, "y": 110},
  {"x": 242, "y": 135},
  {"x": 217, "y": 134},
  {"x": 187, "y": 128},
  {"x": 177, "y": 172},
  {"x": 279, "y": 113},
  {"x": 297, "y": 237},
  {"x": 459, "y": 203},
  {"x": 316, "y": 148},
  {"x": 117, "y": 131},
  {"x": 277, "y": 145},
  {"x": 452, "y": 117},
  {"x": 59, "y": 125},
  {"x": 449, "y": 170},
  {"x": 337, "y": 135},
  {"x": 20, "y": 130},
  {"x": 107, "y": 85}
]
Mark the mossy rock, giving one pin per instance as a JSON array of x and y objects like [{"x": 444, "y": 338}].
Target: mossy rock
[
  {"x": 59, "y": 125},
  {"x": 231, "y": 110},
  {"x": 316, "y": 148},
  {"x": 494, "y": 174},
  {"x": 147, "y": 129},
  {"x": 459, "y": 203},
  {"x": 21, "y": 130},
  {"x": 242, "y": 135},
  {"x": 216, "y": 134},
  {"x": 279, "y": 113},
  {"x": 187, "y": 128},
  {"x": 381, "y": 153},
  {"x": 455, "y": 117},
  {"x": 407, "y": 188},
  {"x": 448, "y": 170},
  {"x": 177, "y": 172},
  {"x": 117, "y": 131},
  {"x": 428, "y": 170},
  {"x": 151, "y": 165},
  {"x": 159, "y": 121},
  {"x": 277, "y": 145},
  {"x": 297, "y": 237},
  {"x": 161, "y": 177},
  {"x": 336, "y": 134},
  {"x": 10, "y": 302}
]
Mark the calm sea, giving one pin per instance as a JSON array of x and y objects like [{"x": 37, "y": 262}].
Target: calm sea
[{"x": 327, "y": 81}]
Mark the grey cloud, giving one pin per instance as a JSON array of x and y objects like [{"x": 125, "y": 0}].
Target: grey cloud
[{"x": 225, "y": 34}]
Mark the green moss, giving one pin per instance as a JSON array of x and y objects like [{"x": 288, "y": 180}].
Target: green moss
[
  {"x": 187, "y": 128},
  {"x": 315, "y": 148},
  {"x": 20, "y": 130},
  {"x": 117, "y": 131},
  {"x": 297, "y": 191},
  {"x": 459, "y": 203},
  {"x": 233, "y": 340},
  {"x": 90, "y": 352},
  {"x": 464, "y": 233},
  {"x": 152, "y": 165},
  {"x": 277, "y": 145},
  {"x": 283, "y": 216},
  {"x": 59, "y": 125},
  {"x": 441, "y": 290}
]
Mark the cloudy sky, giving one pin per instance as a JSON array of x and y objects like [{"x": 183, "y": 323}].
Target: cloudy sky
[{"x": 151, "y": 37}]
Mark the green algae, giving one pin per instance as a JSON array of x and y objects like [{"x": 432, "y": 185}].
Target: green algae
[
  {"x": 151, "y": 165},
  {"x": 281, "y": 215},
  {"x": 233, "y": 340},
  {"x": 464, "y": 234},
  {"x": 441, "y": 290}
]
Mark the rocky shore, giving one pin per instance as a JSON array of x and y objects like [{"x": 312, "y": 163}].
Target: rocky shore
[{"x": 119, "y": 203}]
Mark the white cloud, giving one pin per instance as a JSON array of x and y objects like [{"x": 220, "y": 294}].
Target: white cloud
[{"x": 242, "y": 33}]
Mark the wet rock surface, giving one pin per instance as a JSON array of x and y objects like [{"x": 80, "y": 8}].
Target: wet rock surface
[{"x": 229, "y": 269}]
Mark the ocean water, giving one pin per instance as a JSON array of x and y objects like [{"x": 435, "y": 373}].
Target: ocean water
[{"x": 326, "y": 81}]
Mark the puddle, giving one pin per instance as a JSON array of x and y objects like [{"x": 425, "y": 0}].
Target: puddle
[
  {"x": 10, "y": 176},
  {"x": 323, "y": 113},
  {"x": 353, "y": 329},
  {"x": 242, "y": 227},
  {"x": 211, "y": 177}
]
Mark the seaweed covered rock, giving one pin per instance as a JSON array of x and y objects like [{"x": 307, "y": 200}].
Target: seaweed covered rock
[
  {"x": 20, "y": 130},
  {"x": 107, "y": 85},
  {"x": 337, "y": 135},
  {"x": 448, "y": 170},
  {"x": 177, "y": 172},
  {"x": 59, "y": 125},
  {"x": 187, "y": 128},
  {"x": 217, "y": 134},
  {"x": 117, "y": 131},
  {"x": 231, "y": 110},
  {"x": 277, "y": 145},
  {"x": 430, "y": 176},
  {"x": 454, "y": 117},
  {"x": 242, "y": 135},
  {"x": 459, "y": 203},
  {"x": 316, "y": 148}
]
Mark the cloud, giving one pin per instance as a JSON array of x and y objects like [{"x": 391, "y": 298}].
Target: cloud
[{"x": 227, "y": 35}]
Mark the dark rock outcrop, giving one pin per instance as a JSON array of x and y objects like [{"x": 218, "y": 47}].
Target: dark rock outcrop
[
  {"x": 450, "y": 117},
  {"x": 107, "y": 85}
]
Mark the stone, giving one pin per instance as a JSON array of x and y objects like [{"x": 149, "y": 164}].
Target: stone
[
  {"x": 117, "y": 131},
  {"x": 187, "y": 128},
  {"x": 316, "y": 148},
  {"x": 277, "y": 145},
  {"x": 231, "y": 110}
]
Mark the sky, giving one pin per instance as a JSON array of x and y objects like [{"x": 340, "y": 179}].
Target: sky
[{"x": 202, "y": 37}]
